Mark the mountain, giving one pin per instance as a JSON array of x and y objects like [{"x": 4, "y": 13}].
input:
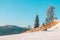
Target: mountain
[
  {"x": 47, "y": 27},
  {"x": 11, "y": 29}
]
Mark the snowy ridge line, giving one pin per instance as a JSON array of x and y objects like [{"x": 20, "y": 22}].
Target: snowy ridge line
[{"x": 42, "y": 28}]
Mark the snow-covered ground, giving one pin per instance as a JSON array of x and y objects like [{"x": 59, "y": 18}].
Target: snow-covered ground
[
  {"x": 55, "y": 28},
  {"x": 40, "y": 35}
]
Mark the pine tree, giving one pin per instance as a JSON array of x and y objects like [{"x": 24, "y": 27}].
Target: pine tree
[
  {"x": 36, "y": 22},
  {"x": 43, "y": 24}
]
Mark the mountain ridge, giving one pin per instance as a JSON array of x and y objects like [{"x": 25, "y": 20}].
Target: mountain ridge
[{"x": 11, "y": 29}]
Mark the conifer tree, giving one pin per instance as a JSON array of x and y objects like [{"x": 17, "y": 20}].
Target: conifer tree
[
  {"x": 36, "y": 24},
  {"x": 43, "y": 24}
]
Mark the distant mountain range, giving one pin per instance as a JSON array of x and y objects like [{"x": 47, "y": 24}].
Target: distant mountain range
[{"x": 11, "y": 29}]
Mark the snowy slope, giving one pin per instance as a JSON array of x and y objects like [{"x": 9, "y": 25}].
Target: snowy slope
[
  {"x": 56, "y": 27},
  {"x": 48, "y": 26},
  {"x": 34, "y": 36},
  {"x": 39, "y": 35}
]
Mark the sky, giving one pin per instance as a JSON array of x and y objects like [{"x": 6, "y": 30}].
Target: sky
[{"x": 23, "y": 12}]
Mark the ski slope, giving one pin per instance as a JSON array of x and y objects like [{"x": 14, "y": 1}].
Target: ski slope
[{"x": 40, "y": 35}]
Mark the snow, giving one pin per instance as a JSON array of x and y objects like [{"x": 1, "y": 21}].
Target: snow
[
  {"x": 40, "y": 35},
  {"x": 55, "y": 28}
]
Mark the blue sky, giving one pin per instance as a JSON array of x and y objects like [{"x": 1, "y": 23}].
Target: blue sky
[{"x": 23, "y": 12}]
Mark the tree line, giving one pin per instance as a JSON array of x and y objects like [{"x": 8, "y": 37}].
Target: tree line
[{"x": 50, "y": 16}]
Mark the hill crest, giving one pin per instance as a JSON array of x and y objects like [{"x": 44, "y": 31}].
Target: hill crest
[{"x": 44, "y": 27}]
